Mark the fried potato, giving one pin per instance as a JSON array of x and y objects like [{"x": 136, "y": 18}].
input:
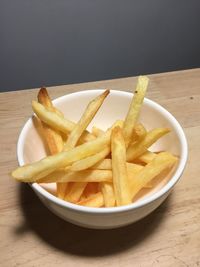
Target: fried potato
[
  {"x": 76, "y": 133},
  {"x": 57, "y": 122},
  {"x": 134, "y": 109},
  {"x": 96, "y": 131},
  {"x": 108, "y": 194},
  {"x": 39, "y": 169},
  {"x": 161, "y": 161},
  {"x": 137, "y": 149},
  {"x": 61, "y": 176},
  {"x": 91, "y": 189},
  {"x": 147, "y": 157},
  {"x": 86, "y": 118},
  {"x": 139, "y": 132},
  {"x": 95, "y": 201},
  {"x": 88, "y": 162},
  {"x": 106, "y": 164},
  {"x": 53, "y": 137},
  {"x": 119, "y": 169},
  {"x": 74, "y": 194}
]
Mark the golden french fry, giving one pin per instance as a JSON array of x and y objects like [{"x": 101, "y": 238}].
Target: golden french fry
[
  {"x": 119, "y": 169},
  {"x": 95, "y": 201},
  {"x": 88, "y": 162},
  {"x": 61, "y": 189},
  {"x": 39, "y": 169},
  {"x": 106, "y": 164},
  {"x": 108, "y": 194},
  {"x": 137, "y": 149},
  {"x": 76, "y": 133},
  {"x": 91, "y": 189},
  {"x": 75, "y": 192},
  {"x": 57, "y": 122},
  {"x": 97, "y": 132},
  {"x": 86, "y": 118},
  {"x": 139, "y": 132},
  {"x": 53, "y": 137},
  {"x": 134, "y": 109},
  {"x": 81, "y": 176},
  {"x": 147, "y": 157},
  {"x": 161, "y": 161}
]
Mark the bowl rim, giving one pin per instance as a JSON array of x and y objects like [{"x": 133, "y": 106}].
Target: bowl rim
[{"x": 107, "y": 210}]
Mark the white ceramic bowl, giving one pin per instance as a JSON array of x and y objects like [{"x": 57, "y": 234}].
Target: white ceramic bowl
[{"x": 31, "y": 148}]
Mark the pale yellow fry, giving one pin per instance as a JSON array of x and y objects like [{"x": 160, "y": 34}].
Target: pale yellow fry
[
  {"x": 119, "y": 169},
  {"x": 161, "y": 161},
  {"x": 147, "y": 157},
  {"x": 88, "y": 162},
  {"x": 137, "y": 149},
  {"x": 134, "y": 109},
  {"x": 139, "y": 132},
  {"x": 95, "y": 201},
  {"x": 97, "y": 132},
  {"x": 75, "y": 192},
  {"x": 106, "y": 164},
  {"x": 57, "y": 122},
  {"x": 33, "y": 172},
  {"x": 108, "y": 194},
  {"x": 85, "y": 120},
  {"x": 81, "y": 176}
]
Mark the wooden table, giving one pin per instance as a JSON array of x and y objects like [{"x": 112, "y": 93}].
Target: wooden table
[{"x": 32, "y": 236}]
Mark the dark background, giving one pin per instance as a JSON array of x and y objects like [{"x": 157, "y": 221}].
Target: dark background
[{"x": 53, "y": 42}]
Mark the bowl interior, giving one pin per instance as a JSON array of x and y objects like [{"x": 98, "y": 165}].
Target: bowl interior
[{"x": 115, "y": 107}]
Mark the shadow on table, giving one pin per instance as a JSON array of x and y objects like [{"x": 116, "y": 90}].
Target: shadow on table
[{"x": 80, "y": 241}]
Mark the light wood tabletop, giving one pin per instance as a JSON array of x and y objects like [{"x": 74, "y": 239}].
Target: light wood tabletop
[{"x": 30, "y": 235}]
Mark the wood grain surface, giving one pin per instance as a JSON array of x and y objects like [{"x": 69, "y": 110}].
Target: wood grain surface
[{"x": 30, "y": 235}]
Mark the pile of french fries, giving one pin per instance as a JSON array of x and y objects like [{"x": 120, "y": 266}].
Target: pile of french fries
[{"x": 97, "y": 168}]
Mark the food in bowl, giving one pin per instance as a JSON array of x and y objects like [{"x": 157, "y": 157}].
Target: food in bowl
[{"x": 98, "y": 168}]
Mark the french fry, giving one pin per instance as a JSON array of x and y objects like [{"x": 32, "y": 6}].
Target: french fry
[
  {"x": 134, "y": 109},
  {"x": 81, "y": 176},
  {"x": 108, "y": 194},
  {"x": 39, "y": 169},
  {"x": 119, "y": 169},
  {"x": 76, "y": 133},
  {"x": 53, "y": 138},
  {"x": 86, "y": 118},
  {"x": 88, "y": 162},
  {"x": 147, "y": 157},
  {"x": 137, "y": 149},
  {"x": 95, "y": 201},
  {"x": 139, "y": 132},
  {"x": 75, "y": 192},
  {"x": 45, "y": 100},
  {"x": 161, "y": 161},
  {"x": 97, "y": 132},
  {"x": 91, "y": 189},
  {"x": 57, "y": 122},
  {"x": 106, "y": 164}
]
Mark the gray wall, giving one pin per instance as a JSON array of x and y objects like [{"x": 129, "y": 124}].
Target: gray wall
[{"x": 52, "y": 42}]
